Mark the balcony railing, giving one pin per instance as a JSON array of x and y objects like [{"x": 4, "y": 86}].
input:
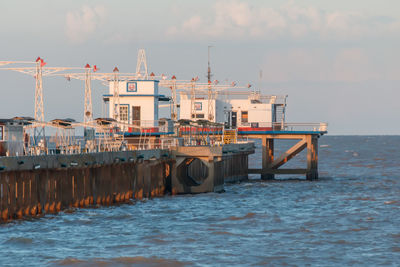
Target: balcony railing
[{"x": 307, "y": 127}]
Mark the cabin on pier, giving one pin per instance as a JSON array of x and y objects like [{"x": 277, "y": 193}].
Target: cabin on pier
[
  {"x": 11, "y": 137},
  {"x": 255, "y": 111},
  {"x": 137, "y": 101}
]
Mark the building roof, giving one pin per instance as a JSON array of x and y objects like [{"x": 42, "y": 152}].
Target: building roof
[
  {"x": 63, "y": 122},
  {"x": 4, "y": 121},
  {"x": 13, "y": 120},
  {"x": 24, "y": 119},
  {"x": 104, "y": 121}
]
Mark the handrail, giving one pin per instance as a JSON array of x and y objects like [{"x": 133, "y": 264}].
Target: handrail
[{"x": 301, "y": 126}]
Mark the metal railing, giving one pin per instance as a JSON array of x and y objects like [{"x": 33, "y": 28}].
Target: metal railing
[
  {"x": 148, "y": 126},
  {"x": 110, "y": 135},
  {"x": 285, "y": 126},
  {"x": 293, "y": 126}
]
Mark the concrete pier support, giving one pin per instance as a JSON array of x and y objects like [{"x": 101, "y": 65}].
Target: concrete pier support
[
  {"x": 196, "y": 175},
  {"x": 206, "y": 169}
]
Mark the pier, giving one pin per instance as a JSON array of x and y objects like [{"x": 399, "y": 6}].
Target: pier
[{"x": 130, "y": 153}]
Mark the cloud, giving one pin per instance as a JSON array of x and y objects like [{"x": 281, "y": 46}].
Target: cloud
[
  {"x": 239, "y": 20},
  {"x": 83, "y": 23}
]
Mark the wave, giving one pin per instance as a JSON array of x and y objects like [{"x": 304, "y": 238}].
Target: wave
[
  {"x": 19, "y": 241},
  {"x": 247, "y": 216},
  {"x": 120, "y": 261}
]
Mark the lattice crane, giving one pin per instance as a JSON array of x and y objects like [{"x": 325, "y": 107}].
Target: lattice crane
[{"x": 38, "y": 70}]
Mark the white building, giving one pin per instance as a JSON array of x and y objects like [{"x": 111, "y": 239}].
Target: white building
[
  {"x": 138, "y": 102},
  {"x": 255, "y": 111}
]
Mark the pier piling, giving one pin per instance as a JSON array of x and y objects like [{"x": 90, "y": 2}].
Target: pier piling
[{"x": 271, "y": 164}]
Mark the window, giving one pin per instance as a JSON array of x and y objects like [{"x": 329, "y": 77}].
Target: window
[
  {"x": 1, "y": 133},
  {"x": 123, "y": 111},
  {"x": 131, "y": 87},
  {"x": 200, "y": 116},
  {"x": 245, "y": 116},
  {"x": 198, "y": 105}
]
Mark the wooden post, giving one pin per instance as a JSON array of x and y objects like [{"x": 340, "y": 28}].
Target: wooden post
[
  {"x": 312, "y": 157},
  {"x": 267, "y": 158},
  {"x": 4, "y": 198}
]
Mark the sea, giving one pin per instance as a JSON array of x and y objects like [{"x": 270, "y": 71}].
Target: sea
[{"x": 350, "y": 216}]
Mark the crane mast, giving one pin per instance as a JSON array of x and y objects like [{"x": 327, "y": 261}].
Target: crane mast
[
  {"x": 88, "y": 110},
  {"x": 116, "y": 102},
  {"x": 141, "y": 61}
]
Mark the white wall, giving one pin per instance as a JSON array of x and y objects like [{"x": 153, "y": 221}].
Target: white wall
[
  {"x": 221, "y": 108},
  {"x": 142, "y": 87},
  {"x": 259, "y": 112},
  {"x": 146, "y": 96},
  {"x": 185, "y": 108},
  {"x": 148, "y": 110}
]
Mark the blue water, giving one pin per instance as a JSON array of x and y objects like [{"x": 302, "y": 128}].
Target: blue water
[{"x": 350, "y": 216}]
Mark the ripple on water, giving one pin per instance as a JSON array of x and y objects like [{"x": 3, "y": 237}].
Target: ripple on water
[
  {"x": 235, "y": 218},
  {"x": 157, "y": 241},
  {"x": 358, "y": 229},
  {"x": 362, "y": 198},
  {"x": 396, "y": 249},
  {"x": 227, "y": 233},
  {"x": 121, "y": 261},
  {"x": 122, "y": 246},
  {"x": 19, "y": 241}
]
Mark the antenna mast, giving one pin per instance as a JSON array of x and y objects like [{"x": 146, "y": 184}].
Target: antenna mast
[
  {"x": 209, "y": 68},
  {"x": 210, "y": 94}
]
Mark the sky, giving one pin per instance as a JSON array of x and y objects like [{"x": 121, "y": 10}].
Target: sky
[{"x": 338, "y": 61}]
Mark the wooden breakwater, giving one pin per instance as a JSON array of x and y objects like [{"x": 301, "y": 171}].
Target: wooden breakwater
[{"x": 32, "y": 186}]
